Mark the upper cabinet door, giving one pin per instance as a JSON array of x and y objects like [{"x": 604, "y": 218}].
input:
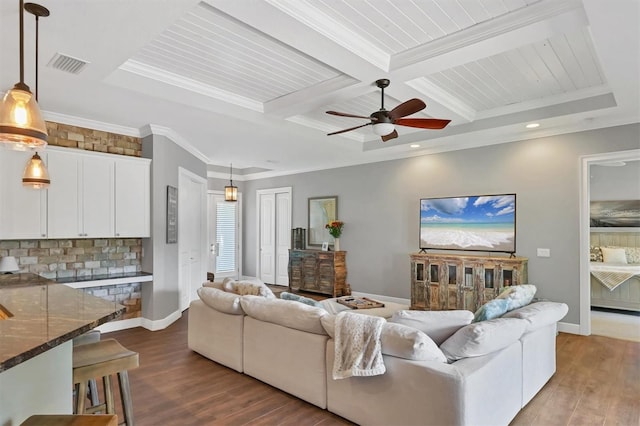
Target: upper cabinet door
[
  {"x": 63, "y": 216},
  {"x": 133, "y": 205},
  {"x": 23, "y": 210},
  {"x": 98, "y": 196}
]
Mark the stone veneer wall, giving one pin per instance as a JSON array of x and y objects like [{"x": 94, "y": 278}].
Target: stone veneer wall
[
  {"x": 75, "y": 258},
  {"x": 93, "y": 140}
]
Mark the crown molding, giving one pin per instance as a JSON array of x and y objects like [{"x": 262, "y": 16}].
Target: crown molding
[
  {"x": 154, "y": 129},
  {"x": 500, "y": 25},
  {"x": 71, "y": 120},
  {"x": 186, "y": 83},
  {"x": 224, "y": 176},
  {"x": 322, "y": 23}
]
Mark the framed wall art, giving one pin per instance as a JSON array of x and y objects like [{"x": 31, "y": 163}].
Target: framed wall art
[
  {"x": 172, "y": 214},
  {"x": 322, "y": 210}
]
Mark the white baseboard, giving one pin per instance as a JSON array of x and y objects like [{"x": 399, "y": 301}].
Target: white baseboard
[
  {"x": 140, "y": 322},
  {"x": 567, "y": 327}
]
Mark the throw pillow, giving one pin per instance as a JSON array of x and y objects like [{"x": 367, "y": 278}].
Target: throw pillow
[
  {"x": 227, "y": 285},
  {"x": 438, "y": 325},
  {"x": 295, "y": 297},
  {"x": 482, "y": 338},
  {"x": 614, "y": 255},
  {"x": 518, "y": 295},
  {"x": 221, "y": 301},
  {"x": 539, "y": 314},
  {"x": 595, "y": 253},
  {"x": 215, "y": 284},
  {"x": 633, "y": 254},
  {"x": 492, "y": 309}
]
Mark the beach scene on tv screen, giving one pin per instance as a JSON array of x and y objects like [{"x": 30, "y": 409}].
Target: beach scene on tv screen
[{"x": 483, "y": 223}]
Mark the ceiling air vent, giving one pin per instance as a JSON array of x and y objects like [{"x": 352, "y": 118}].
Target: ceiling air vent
[{"x": 67, "y": 63}]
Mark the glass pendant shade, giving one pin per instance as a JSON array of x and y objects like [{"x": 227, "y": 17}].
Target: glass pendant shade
[
  {"x": 21, "y": 123},
  {"x": 383, "y": 129},
  {"x": 231, "y": 193},
  {"x": 35, "y": 173}
]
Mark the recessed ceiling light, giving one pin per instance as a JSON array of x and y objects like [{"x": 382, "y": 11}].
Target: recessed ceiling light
[
  {"x": 532, "y": 125},
  {"x": 414, "y": 145}
]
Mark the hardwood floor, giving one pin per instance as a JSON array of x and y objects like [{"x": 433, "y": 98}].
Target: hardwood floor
[{"x": 597, "y": 382}]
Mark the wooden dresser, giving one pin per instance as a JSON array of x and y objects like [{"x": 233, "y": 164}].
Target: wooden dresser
[
  {"x": 453, "y": 281},
  {"x": 319, "y": 272}
]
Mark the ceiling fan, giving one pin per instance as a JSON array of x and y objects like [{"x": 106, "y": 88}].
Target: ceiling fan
[{"x": 383, "y": 121}]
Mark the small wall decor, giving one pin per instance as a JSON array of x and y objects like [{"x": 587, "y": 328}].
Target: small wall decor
[
  {"x": 615, "y": 214},
  {"x": 322, "y": 210},
  {"x": 172, "y": 214}
]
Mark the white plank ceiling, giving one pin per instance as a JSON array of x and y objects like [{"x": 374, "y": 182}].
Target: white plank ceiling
[{"x": 249, "y": 81}]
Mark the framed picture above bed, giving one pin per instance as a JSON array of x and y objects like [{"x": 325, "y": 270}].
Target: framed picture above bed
[{"x": 615, "y": 214}]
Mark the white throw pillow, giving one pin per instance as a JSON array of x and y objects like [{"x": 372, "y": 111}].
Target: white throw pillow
[
  {"x": 287, "y": 313},
  {"x": 614, "y": 255},
  {"x": 215, "y": 284},
  {"x": 221, "y": 301},
  {"x": 518, "y": 295},
  {"x": 438, "y": 325},
  {"x": 482, "y": 338},
  {"x": 398, "y": 340},
  {"x": 539, "y": 314}
]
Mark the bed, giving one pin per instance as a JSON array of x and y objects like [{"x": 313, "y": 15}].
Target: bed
[{"x": 615, "y": 285}]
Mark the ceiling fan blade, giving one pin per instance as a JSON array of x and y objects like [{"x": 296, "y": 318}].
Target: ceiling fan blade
[
  {"x": 390, "y": 136},
  {"x": 348, "y": 130},
  {"x": 423, "y": 123},
  {"x": 407, "y": 108},
  {"x": 344, "y": 114}
]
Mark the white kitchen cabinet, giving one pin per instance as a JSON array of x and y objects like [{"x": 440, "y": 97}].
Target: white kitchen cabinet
[
  {"x": 132, "y": 198},
  {"x": 23, "y": 210},
  {"x": 81, "y": 195}
]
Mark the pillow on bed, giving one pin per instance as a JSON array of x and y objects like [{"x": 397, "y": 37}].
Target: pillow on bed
[
  {"x": 595, "y": 253},
  {"x": 614, "y": 255}
]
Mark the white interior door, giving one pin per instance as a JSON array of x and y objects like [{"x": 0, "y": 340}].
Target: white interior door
[
  {"x": 267, "y": 205},
  {"x": 192, "y": 235},
  {"x": 283, "y": 237},
  {"x": 274, "y": 232},
  {"x": 223, "y": 257}
]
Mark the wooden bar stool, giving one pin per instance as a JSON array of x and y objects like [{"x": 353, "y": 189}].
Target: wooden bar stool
[
  {"x": 102, "y": 359},
  {"x": 71, "y": 420},
  {"x": 90, "y": 336}
]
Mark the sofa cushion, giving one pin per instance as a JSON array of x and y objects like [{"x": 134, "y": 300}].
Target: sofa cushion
[
  {"x": 297, "y": 298},
  {"x": 518, "y": 295},
  {"x": 398, "y": 340},
  {"x": 215, "y": 284},
  {"x": 438, "y": 325},
  {"x": 221, "y": 301},
  {"x": 482, "y": 338},
  {"x": 284, "y": 312},
  {"x": 492, "y": 309},
  {"x": 539, "y": 314}
]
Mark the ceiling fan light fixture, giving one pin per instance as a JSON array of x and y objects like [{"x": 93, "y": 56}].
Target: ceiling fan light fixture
[{"x": 383, "y": 129}]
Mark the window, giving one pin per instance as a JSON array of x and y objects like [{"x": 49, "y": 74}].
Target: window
[{"x": 226, "y": 232}]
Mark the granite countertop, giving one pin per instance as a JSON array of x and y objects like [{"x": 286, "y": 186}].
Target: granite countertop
[
  {"x": 37, "y": 314},
  {"x": 101, "y": 277}
]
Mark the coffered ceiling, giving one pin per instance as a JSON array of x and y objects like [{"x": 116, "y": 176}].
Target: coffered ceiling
[{"x": 249, "y": 81}]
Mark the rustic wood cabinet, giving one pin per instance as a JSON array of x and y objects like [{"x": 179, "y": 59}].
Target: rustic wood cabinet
[
  {"x": 453, "y": 281},
  {"x": 319, "y": 272}
]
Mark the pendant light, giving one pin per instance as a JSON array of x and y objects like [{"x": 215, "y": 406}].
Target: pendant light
[
  {"x": 230, "y": 191},
  {"x": 35, "y": 173},
  {"x": 21, "y": 123}
]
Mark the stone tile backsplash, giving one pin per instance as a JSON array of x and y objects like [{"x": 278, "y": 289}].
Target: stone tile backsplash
[{"x": 75, "y": 258}]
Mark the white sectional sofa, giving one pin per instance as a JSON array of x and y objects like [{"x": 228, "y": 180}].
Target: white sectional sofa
[{"x": 288, "y": 345}]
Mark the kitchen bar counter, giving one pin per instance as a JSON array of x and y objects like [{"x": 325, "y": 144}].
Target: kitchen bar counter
[{"x": 37, "y": 314}]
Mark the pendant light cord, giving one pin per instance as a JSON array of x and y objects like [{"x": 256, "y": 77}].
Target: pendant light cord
[
  {"x": 22, "y": 41},
  {"x": 37, "y": 38}
]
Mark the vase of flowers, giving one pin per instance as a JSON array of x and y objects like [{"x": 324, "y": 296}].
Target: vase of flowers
[{"x": 335, "y": 229}]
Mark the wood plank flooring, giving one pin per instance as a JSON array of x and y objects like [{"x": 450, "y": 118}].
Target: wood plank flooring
[{"x": 597, "y": 383}]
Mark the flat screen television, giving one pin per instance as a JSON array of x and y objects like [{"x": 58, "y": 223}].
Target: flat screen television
[{"x": 475, "y": 223}]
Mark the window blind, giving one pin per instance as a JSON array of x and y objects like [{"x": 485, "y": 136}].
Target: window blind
[{"x": 226, "y": 231}]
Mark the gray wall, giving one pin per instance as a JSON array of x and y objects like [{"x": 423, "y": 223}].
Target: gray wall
[
  {"x": 379, "y": 204},
  {"x": 161, "y": 299},
  {"x": 615, "y": 183}
]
